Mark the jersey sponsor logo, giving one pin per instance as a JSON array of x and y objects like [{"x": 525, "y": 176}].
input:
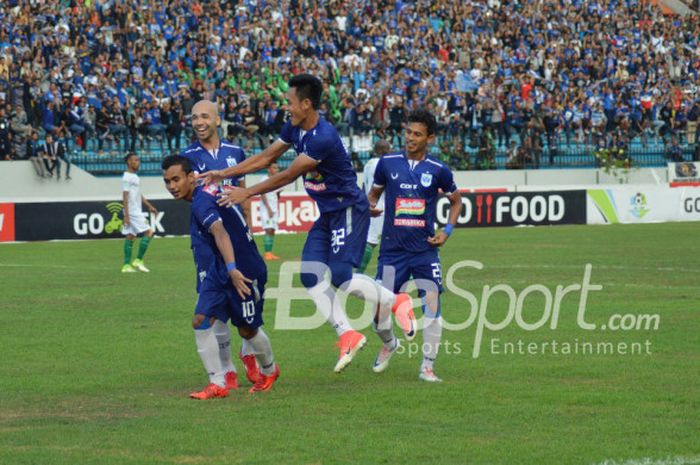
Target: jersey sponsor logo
[
  {"x": 410, "y": 222},
  {"x": 426, "y": 179},
  {"x": 405, "y": 185},
  {"x": 211, "y": 189},
  {"x": 310, "y": 186},
  {"x": 413, "y": 207}
]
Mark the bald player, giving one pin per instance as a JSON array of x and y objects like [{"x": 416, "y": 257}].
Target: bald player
[
  {"x": 381, "y": 147},
  {"x": 209, "y": 152}
]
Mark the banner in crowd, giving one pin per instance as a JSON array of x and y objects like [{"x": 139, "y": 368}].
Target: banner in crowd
[
  {"x": 92, "y": 220},
  {"x": 686, "y": 173},
  {"x": 517, "y": 208},
  {"x": 643, "y": 204}
]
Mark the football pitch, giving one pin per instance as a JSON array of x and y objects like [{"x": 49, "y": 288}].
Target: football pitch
[{"x": 97, "y": 366}]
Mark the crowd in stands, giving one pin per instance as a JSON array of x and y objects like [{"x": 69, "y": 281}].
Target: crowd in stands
[{"x": 520, "y": 76}]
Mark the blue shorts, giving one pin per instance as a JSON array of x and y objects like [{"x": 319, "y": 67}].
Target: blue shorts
[
  {"x": 338, "y": 236},
  {"x": 224, "y": 303},
  {"x": 407, "y": 266}
]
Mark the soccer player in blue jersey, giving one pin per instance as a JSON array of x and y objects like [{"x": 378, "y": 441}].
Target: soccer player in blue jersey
[
  {"x": 337, "y": 238},
  {"x": 207, "y": 153},
  {"x": 234, "y": 283},
  {"x": 412, "y": 182}
]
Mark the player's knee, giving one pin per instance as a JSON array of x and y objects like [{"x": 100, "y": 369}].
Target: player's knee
[
  {"x": 340, "y": 273},
  {"x": 200, "y": 322},
  {"x": 247, "y": 332}
]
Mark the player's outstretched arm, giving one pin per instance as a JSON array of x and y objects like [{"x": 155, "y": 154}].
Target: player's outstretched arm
[
  {"x": 373, "y": 198},
  {"x": 301, "y": 164},
  {"x": 250, "y": 165},
  {"x": 440, "y": 238},
  {"x": 223, "y": 243}
]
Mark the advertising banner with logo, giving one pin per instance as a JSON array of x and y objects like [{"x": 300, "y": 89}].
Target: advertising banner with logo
[
  {"x": 296, "y": 213},
  {"x": 7, "y": 222},
  {"x": 643, "y": 204},
  {"x": 686, "y": 173},
  {"x": 91, "y": 220},
  {"x": 517, "y": 208}
]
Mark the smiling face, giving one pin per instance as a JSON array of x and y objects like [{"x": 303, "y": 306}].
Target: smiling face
[
  {"x": 205, "y": 120},
  {"x": 299, "y": 110},
  {"x": 179, "y": 184},
  {"x": 417, "y": 140}
]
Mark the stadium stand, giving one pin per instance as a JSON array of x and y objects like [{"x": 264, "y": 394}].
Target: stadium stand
[{"x": 515, "y": 84}]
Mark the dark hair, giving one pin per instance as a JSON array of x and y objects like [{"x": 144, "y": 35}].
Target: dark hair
[
  {"x": 425, "y": 117},
  {"x": 173, "y": 160},
  {"x": 128, "y": 155},
  {"x": 308, "y": 87}
]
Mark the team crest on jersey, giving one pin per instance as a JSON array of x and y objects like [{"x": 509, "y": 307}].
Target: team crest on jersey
[
  {"x": 230, "y": 161},
  {"x": 426, "y": 179}
]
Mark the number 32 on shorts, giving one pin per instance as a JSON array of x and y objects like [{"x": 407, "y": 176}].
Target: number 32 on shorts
[{"x": 337, "y": 239}]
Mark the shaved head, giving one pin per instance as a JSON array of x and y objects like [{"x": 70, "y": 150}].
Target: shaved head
[
  {"x": 205, "y": 121},
  {"x": 205, "y": 106}
]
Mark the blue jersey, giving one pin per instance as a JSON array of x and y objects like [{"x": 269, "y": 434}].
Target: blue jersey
[
  {"x": 202, "y": 160},
  {"x": 205, "y": 212},
  {"x": 333, "y": 184},
  {"x": 410, "y": 199}
]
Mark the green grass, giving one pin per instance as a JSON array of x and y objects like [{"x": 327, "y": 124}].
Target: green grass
[{"x": 96, "y": 366}]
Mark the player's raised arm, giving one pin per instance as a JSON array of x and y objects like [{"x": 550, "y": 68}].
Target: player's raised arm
[
  {"x": 250, "y": 165},
  {"x": 223, "y": 243},
  {"x": 301, "y": 164}
]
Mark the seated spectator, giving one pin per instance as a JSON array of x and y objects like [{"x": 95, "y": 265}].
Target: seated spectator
[{"x": 54, "y": 152}]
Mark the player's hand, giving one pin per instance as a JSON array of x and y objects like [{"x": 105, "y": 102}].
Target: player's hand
[
  {"x": 438, "y": 239},
  {"x": 233, "y": 196},
  {"x": 211, "y": 177},
  {"x": 153, "y": 209},
  {"x": 240, "y": 282},
  {"x": 126, "y": 221},
  {"x": 374, "y": 211}
]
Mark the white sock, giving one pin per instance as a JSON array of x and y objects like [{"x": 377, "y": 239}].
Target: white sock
[
  {"x": 246, "y": 349},
  {"x": 385, "y": 335},
  {"x": 432, "y": 333},
  {"x": 323, "y": 296},
  {"x": 263, "y": 352},
  {"x": 366, "y": 288},
  {"x": 222, "y": 331},
  {"x": 208, "y": 350}
]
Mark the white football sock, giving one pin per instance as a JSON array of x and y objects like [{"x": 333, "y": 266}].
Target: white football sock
[
  {"x": 263, "y": 352},
  {"x": 329, "y": 306},
  {"x": 366, "y": 288},
  {"x": 222, "y": 331},
  {"x": 246, "y": 349},
  {"x": 432, "y": 333},
  {"x": 208, "y": 350},
  {"x": 385, "y": 335}
]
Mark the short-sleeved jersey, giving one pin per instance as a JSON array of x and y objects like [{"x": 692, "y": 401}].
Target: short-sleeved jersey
[
  {"x": 333, "y": 184},
  {"x": 202, "y": 160},
  {"x": 411, "y": 194},
  {"x": 205, "y": 212},
  {"x": 132, "y": 184},
  {"x": 368, "y": 179}
]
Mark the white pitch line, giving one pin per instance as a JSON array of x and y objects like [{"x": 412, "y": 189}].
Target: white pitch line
[{"x": 649, "y": 461}]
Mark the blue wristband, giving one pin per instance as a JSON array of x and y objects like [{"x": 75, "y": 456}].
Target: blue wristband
[
  {"x": 448, "y": 229},
  {"x": 230, "y": 266}
]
